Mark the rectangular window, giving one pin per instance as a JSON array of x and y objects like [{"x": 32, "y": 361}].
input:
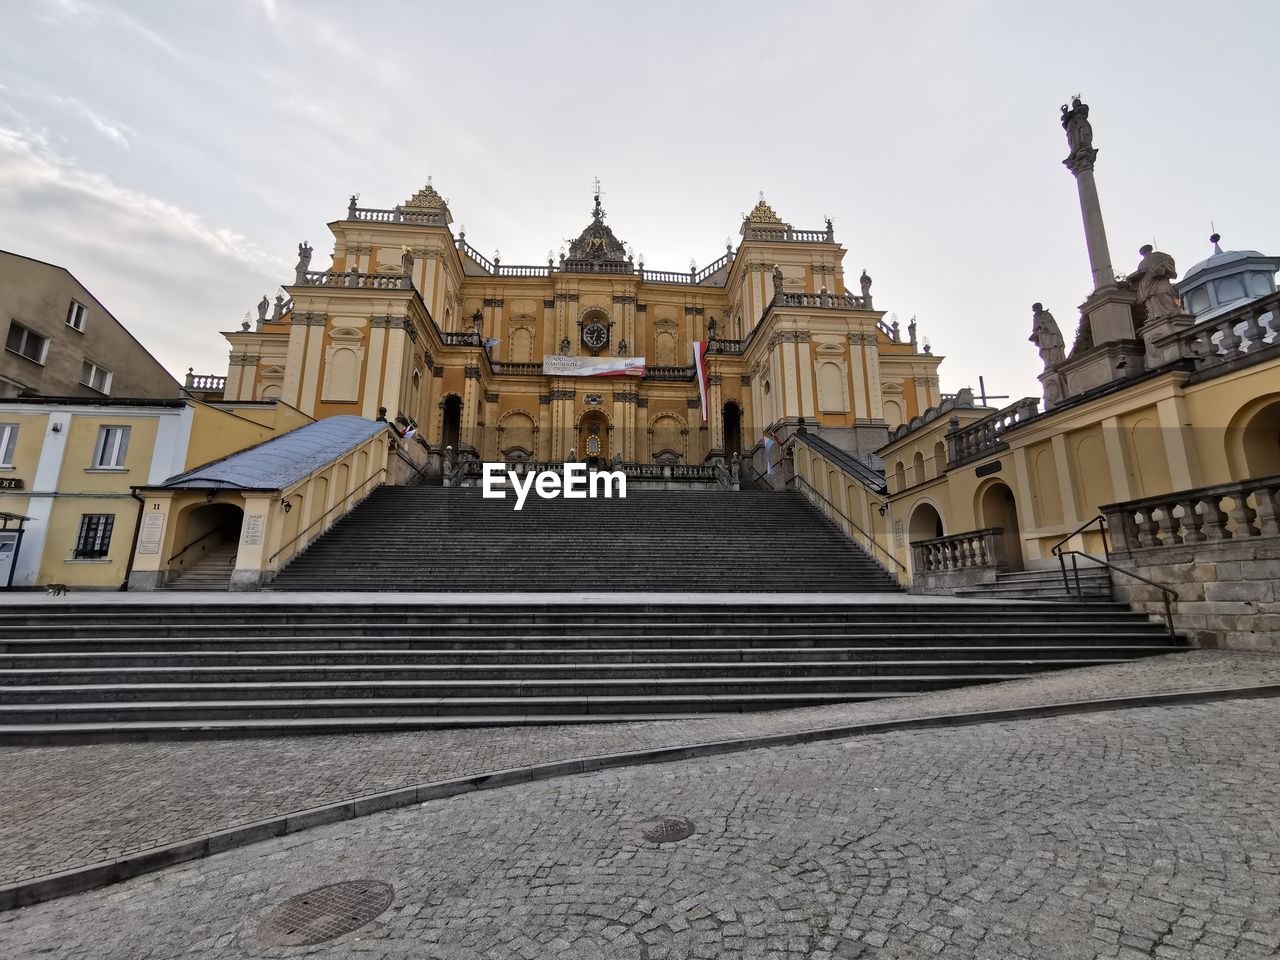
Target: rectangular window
[
  {"x": 26, "y": 343},
  {"x": 94, "y": 540},
  {"x": 8, "y": 440},
  {"x": 113, "y": 444},
  {"x": 92, "y": 375},
  {"x": 75, "y": 316}
]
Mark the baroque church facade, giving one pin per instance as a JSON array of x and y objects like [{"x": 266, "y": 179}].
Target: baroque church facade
[{"x": 589, "y": 354}]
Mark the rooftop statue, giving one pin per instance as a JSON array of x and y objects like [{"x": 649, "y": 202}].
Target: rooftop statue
[
  {"x": 1047, "y": 337},
  {"x": 304, "y": 261},
  {"x": 865, "y": 281},
  {"x": 263, "y": 306},
  {"x": 1075, "y": 120},
  {"x": 1152, "y": 282}
]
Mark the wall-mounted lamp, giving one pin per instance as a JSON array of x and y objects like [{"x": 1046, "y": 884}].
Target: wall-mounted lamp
[
  {"x": 884, "y": 508},
  {"x": 210, "y": 495},
  {"x": 57, "y": 427},
  {"x": 287, "y": 506}
]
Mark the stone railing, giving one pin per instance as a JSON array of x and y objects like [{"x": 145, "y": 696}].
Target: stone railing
[
  {"x": 824, "y": 301},
  {"x": 667, "y": 276},
  {"x": 353, "y": 278},
  {"x": 1229, "y": 511},
  {"x": 205, "y": 381},
  {"x": 960, "y": 551},
  {"x": 890, "y": 331},
  {"x": 518, "y": 369},
  {"x": 713, "y": 268},
  {"x": 431, "y": 218},
  {"x": 481, "y": 260},
  {"x": 755, "y": 231},
  {"x": 1235, "y": 334},
  {"x": 521, "y": 270},
  {"x": 986, "y": 435},
  {"x": 726, "y": 346},
  {"x": 460, "y": 338},
  {"x": 597, "y": 266},
  {"x": 669, "y": 373}
]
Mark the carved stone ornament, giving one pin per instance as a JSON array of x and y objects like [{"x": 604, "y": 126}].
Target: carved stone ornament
[
  {"x": 594, "y": 399},
  {"x": 762, "y": 213},
  {"x": 426, "y": 198},
  {"x": 597, "y": 242}
]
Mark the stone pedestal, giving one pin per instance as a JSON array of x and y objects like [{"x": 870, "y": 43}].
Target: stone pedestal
[
  {"x": 1090, "y": 369},
  {"x": 1109, "y": 314},
  {"x": 1054, "y": 389},
  {"x": 1162, "y": 339}
]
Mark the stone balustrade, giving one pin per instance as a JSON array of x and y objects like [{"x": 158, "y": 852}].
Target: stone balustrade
[
  {"x": 1229, "y": 511},
  {"x": 1235, "y": 334},
  {"x": 432, "y": 218},
  {"x": 355, "y": 279},
  {"x": 716, "y": 345},
  {"x": 823, "y": 301},
  {"x": 985, "y": 436},
  {"x": 787, "y": 234},
  {"x": 977, "y": 549},
  {"x": 517, "y": 369},
  {"x": 205, "y": 381},
  {"x": 669, "y": 373}
]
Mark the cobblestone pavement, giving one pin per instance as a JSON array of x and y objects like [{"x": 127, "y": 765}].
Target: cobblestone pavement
[
  {"x": 71, "y": 806},
  {"x": 1141, "y": 833}
]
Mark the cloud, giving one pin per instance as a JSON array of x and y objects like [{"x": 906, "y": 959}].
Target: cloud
[
  {"x": 117, "y": 133},
  {"x": 171, "y": 276}
]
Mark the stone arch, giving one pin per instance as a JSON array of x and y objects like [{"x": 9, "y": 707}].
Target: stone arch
[
  {"x": 665, "y": 345},
  {"x": 899, "y": 476},
  {"x": 1149, "y": 464},
  {"x": 343, "y": 358},
  {"x": 516, "y": 435},
  {"x": 203, "y": 527},
  {"x": 996, "y": 506},
  {"x": 271, "y": 391},
  {"x": 1044, "y": 485},
  {"x": 732, "y": 420},
  {"x": 668, "y": 438},
  {"x": 1095, "y": 476},
  {"x": 893, "y": 415},
  {"x": 1252, "y": 439},
  {"x": 450, "y": 420},
  {"x": 925, "y": 522},
  {"x": 917, "y": 468},
  {"x": 939, "y": 458},
  {"x": 520, "y": 349},
  {"x": 833, "y": 387}
]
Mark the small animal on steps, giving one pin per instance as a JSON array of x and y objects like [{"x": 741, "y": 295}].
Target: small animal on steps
[{"x": 57, "y": 589}]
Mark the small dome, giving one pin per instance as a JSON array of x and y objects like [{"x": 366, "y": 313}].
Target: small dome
[{"x": 1225, "y": 280}]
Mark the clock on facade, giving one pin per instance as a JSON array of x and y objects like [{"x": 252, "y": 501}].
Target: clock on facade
[{"x": 595, "y": 334}]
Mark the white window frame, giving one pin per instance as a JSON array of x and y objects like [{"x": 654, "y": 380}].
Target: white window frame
[
  {"x": 76, "y": 314},
  {"x": 8, "y": 441},
  {"x": 27, "y": 332},
  {"x": 105, "y": 389},
  {"x": 112, "y": 448}
]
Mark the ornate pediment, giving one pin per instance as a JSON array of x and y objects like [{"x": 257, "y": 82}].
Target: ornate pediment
[
  {"x": 426, "y": 198},
  {"x": 763, "y": 213},
  {"x": 597, "y": 242}
]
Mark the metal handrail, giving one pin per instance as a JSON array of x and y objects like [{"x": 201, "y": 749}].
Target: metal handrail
[
  {"x": 1167, "y": 593},
  {"x": 1101, "y": 521},
  {"x": 207, "y": 533},
  {"x": 870, "y": 539},
  {"x": 325, "y": 514}
]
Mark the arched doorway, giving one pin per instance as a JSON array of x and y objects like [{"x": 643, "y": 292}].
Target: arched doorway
[
  {"x": 593, "y": 438},
  {"x": 925, "y": 523},
  {"x": 451, "y": 421},
  {"x": 997, "y": 508},
  {"x": 1253, "y": 440},
  {"x": 732, "y": 429},
  {"x": 207, "y": 542}
]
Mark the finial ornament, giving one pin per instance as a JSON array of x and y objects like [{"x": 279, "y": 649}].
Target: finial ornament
[
  {"x": 763, "y": 213},
  {"x": 1214, "y": 238},
  {"x": 427, "y": 198}
]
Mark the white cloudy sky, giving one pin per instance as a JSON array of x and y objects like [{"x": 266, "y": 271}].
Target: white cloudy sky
[{"x": 172, "y": 153}]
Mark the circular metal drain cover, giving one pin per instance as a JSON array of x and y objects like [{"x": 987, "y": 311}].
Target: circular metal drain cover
[
  {"x": 666, "y": 829},
  {"x": 325, "y": 913}
]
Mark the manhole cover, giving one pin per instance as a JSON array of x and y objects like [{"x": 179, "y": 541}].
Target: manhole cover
[
  {"x": 666, "y": 829},
  {"x": 325, "y": 913}
]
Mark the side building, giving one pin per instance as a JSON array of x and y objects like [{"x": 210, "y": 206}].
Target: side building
[{"x": 60, "y": 341}]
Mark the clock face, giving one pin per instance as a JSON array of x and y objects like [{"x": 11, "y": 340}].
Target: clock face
[{"x": 595, "y": 335}]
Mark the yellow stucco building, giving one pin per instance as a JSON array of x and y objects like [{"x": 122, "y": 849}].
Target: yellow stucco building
[{"x": 590, "y": 352}]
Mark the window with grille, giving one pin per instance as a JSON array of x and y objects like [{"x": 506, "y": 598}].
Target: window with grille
[
  {"x": 94, "y": 540},
  {"x": 26, "y": 343},
  {"x": 8, "y": 440},
  {"x": 99, "y": 378},
  {"x": 113, "y": 444},
  {"x": 75, "y": 316}
]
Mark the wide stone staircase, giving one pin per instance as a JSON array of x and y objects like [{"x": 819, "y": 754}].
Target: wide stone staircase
[
  {"x": 451, "y": 538},
  {"x": 1092, "y": 582},
  {"x": 177, "y": 669}
]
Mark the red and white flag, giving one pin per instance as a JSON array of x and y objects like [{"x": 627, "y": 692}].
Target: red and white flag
[{"x": 700, "y": 369}]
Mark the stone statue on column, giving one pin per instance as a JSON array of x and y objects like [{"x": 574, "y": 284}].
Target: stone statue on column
[
  {"x": 911, "y": 330},
  {"x": 406, "y": 261},
  {"x": 1152, "y": 282},
  {"x": 304, "y": 262},
  {"x": 263, "y": 305},
  {"x": 865, "y": 282},
  {"x": 1047, "y": 337},
  {"x": 564, "y": 346},
  {"x": 277, "y": 311},
  {"x": 622, "y": 347},
  {"x": 711, "y": 328},
  {"x": 777, "y": 283}
]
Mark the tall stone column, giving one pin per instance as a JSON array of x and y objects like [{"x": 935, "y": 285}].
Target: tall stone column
[{"x": 1075, "y": 120}]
